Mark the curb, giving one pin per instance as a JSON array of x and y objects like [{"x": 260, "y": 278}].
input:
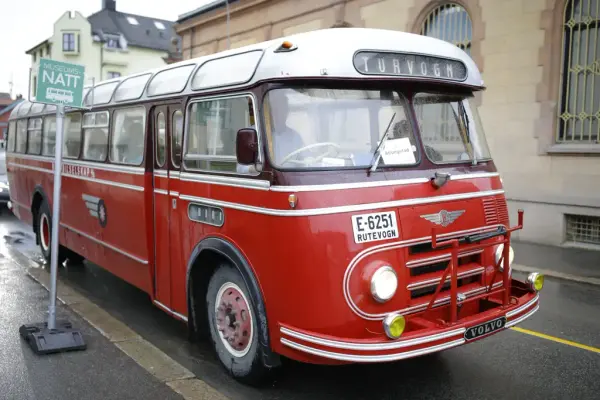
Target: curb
[
  {"x": 557, "y": 275},
  {"x": 149, "y": 357}
]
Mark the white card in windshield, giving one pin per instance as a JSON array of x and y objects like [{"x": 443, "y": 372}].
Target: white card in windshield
[{"x": 398, "y": 152}]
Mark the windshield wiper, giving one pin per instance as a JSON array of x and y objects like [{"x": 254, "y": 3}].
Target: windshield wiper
[
  {"x": 377, "y": 154},
  {"x": 465, "y": 120}
]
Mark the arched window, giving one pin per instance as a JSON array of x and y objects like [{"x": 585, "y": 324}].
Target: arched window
[
  {"x": 450, "y": 22},
  {"x": 579, "y": 112}
]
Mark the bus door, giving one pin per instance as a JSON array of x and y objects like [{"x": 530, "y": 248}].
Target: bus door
[{"x": 166, "y": 127}]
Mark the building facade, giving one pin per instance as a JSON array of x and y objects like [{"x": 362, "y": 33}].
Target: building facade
[
  {"x": 108, "y": 43},
  {"x": 540, "y": 60}
]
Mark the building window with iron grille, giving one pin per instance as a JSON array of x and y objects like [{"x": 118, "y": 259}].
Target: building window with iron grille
[
  {"x": 450, "y": 22},
  {"x": 579, "y": 111}
]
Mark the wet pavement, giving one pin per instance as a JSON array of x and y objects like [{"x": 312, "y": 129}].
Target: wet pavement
[
  {"x": 579, "y": 262},
  {"x": 100, "y": 372},
  {"x": 508, "y": 365}
]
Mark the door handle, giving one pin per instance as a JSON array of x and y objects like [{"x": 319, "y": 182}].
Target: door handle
[{"x": 174, "y": 202}]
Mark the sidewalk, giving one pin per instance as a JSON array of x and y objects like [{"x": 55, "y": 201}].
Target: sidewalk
[
  {"x": 565, "y": 263},
  {"x": 101, "y": 371}
]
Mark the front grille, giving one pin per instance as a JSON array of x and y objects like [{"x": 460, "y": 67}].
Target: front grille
[{"x": 429, "y": 290}]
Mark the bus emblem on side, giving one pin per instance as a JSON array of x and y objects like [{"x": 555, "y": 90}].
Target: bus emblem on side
[
  {"x": 443, "y": 218},
  {"x": 96, "y": 207}
]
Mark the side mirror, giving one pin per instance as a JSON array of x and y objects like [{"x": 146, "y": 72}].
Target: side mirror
[{"x": 246, "y": 146}]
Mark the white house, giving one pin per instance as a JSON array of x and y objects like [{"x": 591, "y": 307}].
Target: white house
[{"x": 108, "y": 43}]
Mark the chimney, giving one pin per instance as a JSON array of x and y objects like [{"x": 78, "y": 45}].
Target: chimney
[{"x": 109, "y": 5}]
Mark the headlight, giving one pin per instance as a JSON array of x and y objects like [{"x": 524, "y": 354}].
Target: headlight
[
  {"x": 384, "y": 284},
  {"x": 498, "y": 255},
  {"x": 535, "y": 281}
]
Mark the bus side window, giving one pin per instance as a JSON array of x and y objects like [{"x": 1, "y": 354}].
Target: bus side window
[
  {"x": 34, "y": 133},
  {"x": 128, "y": 136},
  {"x": 176, "y": 136},
  {"x": 21, "y": 139},
  {"x": 72, "y": 135},
  {"x": 12, "y": 130},
  {"x": 213, "y": 127},
  {"x": 95, "y": 136}
]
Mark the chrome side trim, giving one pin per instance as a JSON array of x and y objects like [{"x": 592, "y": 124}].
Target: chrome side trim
[
  {"x": 226, "y": 181},
  {"x": 167, "y": 309},
  {"x": 523, "y": 307},
  {"x": 174, "y": 194},
  {"x": 161, "y": 191},
  {"x": 174, "y": 174},
  {"x": 103, "y": 167},
  {"x": 474, "y": 176},
  {"x": 105, "y": 182},
  {"x": 107, "y": 167},
  {"x": 442, "y": 257},
  {"x": 31, "y": 167},
  {"x": 103, "y": 243},
  {"x": 161, "y": 173},
  {"x": 357, "y": 185},
  {"x": 343, "y": 186},
  {"x": 83, "y": 178},
  {"x": 339, "y": 209},
  {"x": 522, "y": 318},
  {"x": 371, "y": 346},
  {"x": 373, "y": 358},
  {"x": 436, "y": 281},
  {"x": 20, "y": 204}
]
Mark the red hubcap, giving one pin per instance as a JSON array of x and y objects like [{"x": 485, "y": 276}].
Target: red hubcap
[{"x": 234, "y": 320}]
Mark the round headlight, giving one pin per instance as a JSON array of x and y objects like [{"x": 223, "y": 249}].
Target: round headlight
[
  {"x": 394, "y": 325},
  {"x": 498, "y": 255},
  {"x": 384, "y": 284},
  {"x": 536, "y": 281}
]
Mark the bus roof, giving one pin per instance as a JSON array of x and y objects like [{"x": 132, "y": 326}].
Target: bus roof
[{"x": 347, "y": 53}]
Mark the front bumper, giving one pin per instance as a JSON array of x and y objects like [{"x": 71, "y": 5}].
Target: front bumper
[{"x": 414, "y": 343}]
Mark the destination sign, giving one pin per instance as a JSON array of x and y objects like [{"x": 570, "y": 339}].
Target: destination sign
[{"x": 411, "y": 65}]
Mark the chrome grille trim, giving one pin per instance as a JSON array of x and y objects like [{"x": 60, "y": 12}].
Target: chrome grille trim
[{"x": 435, "y": 281}]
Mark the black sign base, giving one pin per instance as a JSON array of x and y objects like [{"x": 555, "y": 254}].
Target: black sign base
[{"x": 46, "y": 341}]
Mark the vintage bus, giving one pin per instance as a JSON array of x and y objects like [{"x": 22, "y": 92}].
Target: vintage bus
[{"x": 327, "y": 197}]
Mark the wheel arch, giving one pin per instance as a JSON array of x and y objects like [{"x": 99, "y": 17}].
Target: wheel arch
[
  {"x": 39, "y": 196},
  {"x": 200, "y": 267}
]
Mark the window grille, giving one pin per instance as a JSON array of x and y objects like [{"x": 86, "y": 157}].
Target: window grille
[
  {"x": 583, "y": 229},
  {"x": 452, "y": 23},
  {"x": 579, "y": 112}
]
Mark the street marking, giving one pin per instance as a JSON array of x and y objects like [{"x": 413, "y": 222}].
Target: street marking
[{"x": 556, "y": 339}]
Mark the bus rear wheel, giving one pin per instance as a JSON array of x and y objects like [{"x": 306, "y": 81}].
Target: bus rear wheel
[
  {"x": 44, "y": 238},
  {"x": 233, "y": 326}
]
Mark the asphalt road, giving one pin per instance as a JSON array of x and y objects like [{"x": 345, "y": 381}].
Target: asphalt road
[{"x": 509, "y": 365}]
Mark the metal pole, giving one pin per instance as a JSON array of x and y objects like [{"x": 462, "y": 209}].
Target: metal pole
[
  {"x": 228, "y": 31},
  {"x": 58, "y": 150}
]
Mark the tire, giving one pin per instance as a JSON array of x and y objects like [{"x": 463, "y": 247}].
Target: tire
[
  {"x": 44, "y": 234},
  {"x": 243, "y": 358}
]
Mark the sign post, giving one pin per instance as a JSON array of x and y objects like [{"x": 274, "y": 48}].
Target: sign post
[{"x": 61, "y": 84}]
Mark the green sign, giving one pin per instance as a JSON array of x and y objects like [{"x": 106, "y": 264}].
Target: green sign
[{"x": 60, "y": 83}]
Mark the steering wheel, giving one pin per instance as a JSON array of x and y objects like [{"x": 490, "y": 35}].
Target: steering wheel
[{"x": 310, "y": 160}]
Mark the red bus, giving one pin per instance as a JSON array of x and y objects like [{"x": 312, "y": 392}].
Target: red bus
[{"x": 328, "y": 197}]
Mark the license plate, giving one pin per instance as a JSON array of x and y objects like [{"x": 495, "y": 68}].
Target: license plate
[
  {"x": 486, "y": 328},
  {"x": 374, "y": 227}
]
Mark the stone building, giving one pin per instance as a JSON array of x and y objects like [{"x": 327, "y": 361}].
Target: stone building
[{"x": 540, "y": 60}]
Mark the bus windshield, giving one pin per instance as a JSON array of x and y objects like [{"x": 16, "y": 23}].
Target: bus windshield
[
  {"x": 444, "y": 120},
  {"x": 324, "y": 128}
]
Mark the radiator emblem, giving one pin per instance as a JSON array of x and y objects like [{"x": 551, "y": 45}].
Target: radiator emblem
[{"x": 443, "y": 218}]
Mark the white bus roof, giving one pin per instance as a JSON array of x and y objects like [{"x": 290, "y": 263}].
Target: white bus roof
[{"x": 344, "y": 53}]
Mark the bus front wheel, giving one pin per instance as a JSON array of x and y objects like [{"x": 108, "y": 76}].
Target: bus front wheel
[{"x": 233, "y": 326}]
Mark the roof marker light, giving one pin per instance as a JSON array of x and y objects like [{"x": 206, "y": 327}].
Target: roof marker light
[{"x": 285, "y": 47}]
